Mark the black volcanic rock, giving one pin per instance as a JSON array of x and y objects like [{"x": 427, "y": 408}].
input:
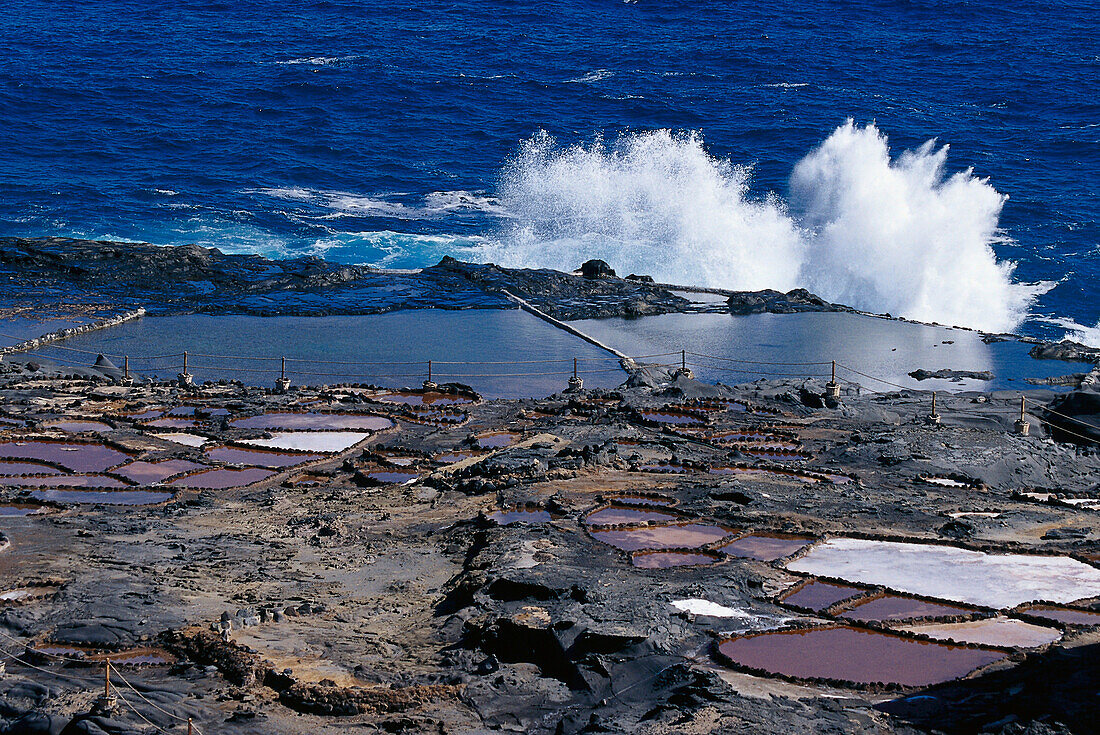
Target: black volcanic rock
[
  {"x": 1067, "y": 350},
  {"x": 945, "y": 374},
  {"x": 776, "y": 302},
  {"x": 597, "y": 269}
]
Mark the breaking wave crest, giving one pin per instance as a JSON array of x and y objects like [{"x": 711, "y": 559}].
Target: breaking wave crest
[{"x": 881, "y": 233}]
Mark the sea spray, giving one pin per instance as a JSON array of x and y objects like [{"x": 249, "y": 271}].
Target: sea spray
[
  {"x": 900, "y": 236},
  {"x": 882, "y": 234}
]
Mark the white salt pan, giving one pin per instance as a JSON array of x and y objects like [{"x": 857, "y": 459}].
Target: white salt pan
[
  {"x": 992, "y": 580},
  {"x": 188, "y": 440},
  {"x": 696, "y": 606},
  {"x": 310, "y": 441},
  {"x": 998, "y": 631}
]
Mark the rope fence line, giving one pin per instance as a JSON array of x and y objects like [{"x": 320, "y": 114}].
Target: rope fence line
[{"x": 109, "y": 670}]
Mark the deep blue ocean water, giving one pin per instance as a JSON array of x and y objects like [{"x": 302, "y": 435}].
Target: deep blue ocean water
[{"x": 394, "y": 132}]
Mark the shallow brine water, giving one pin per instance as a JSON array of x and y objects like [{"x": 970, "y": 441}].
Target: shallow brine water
[
  {"x": 349, "y": 349},
  {"x": 993, "y": 580},
  {"x": 855, "y": 655}
]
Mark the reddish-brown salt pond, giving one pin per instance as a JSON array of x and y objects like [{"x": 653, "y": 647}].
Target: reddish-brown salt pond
[
  {"x": 64, "y": 481},
  {"x": 855, "y": 655},
  {"x": 1066, "y": 615},
  {"x": 259, "y": 457},
  {"x": 412, "y": 398},
  {"x": 519, "y": 515},
  {"x": 9, "y": 469},
  {"x": 779, "y": 455},
  {"x": 670, "y": 559},
  {"x": 172, "y": 423},
  {"x": 75, "y": 427},
  {"x": 678, "y": 536},
  {"x": 676, "y": 418},
  {"x": 817, "y": 595},
  {"x": 20, "y": 509},
  {"x": 497, "y": 439},
  {"x": 222, "y": 479},
  {"x": 613, "y": 516},
  {"x": 764, "y": 547},
  {"x": 391, "y": 477},
  {"x": 894, "y": 607},
  {"x": 314, "y": 421},
  {"x": 145, "y": 473},
  {"x": 642, "y": 500},
  {"x": 998, "y": 631},
  {"x": 70, "y": 455},
  {"x": 105, "y": 497}
]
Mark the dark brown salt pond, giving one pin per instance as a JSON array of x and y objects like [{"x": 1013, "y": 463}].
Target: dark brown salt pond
[
  {"x": 519, "y": 515},
  {"x": 678, "y": 536},
  {"x": 615, "y": 516},
  {"x": 259, "y": 457},
  {"x": 314, "y": 421},
  {"x": 131, "y": 657},
  {"x": 415, "y": 398},
  {"x": 105, "y": 497},
  {"x": 10, "y": 469},
  {"x": 677, "y": 418},
  {"x": 817, "y": 595},
  {"x": 670, "y": 559},
  {"x": 70, "y": 455},
  {"x": 392, "y": 477},
  {"x": 145, "y": 473},
  {"x": 780, "y": 455},
  {"x": 854, "y": 655},
  {"x": 222, "y": 479},
  {"x": 747, "y": 435},
  {"x": 64, "y": 481},
  {"x": 893, "y": 607},
  {"x": 75, "y": 427},
  {"x": 764, "y": 547},
  {"x": 1065, "y": 615},
  {"x": 149, "y": 413},
  {"x": 497, "y": 439},
  {"x": 197, "y": 411},
  {"x": 643, "y": 500}
]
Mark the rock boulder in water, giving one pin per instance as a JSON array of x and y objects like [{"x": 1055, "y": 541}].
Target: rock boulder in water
[{"x": 597, "y": 269}]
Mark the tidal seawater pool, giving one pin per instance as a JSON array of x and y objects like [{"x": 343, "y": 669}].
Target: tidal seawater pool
[
  {"x": 884, "y": 348},
  {"x": 463, "y": 346}
]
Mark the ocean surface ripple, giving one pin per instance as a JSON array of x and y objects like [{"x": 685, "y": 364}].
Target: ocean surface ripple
[{"x": 726, "y": 144}]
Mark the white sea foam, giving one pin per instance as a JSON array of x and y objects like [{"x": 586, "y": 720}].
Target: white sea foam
[
  {"x": 1077, "y": 332},
  {"x": 882, "y": 233},
  {"x": 594, "y": 76},
  {"x": 317, "y": 60}
]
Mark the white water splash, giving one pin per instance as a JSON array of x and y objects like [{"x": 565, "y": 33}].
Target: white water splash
[{"x": 879, "y": 233}]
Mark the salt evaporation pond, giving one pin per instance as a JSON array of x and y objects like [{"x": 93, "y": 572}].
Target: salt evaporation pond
[
  {"x": 519, "y": 515},
  {"x": 1063, "y": 615},
  {"x": 997, "y": 581},
  {"x": 361, "y": 342},
  {"x": 497, "y": 439},
  {"x": 258, "y": 457},
  {"x": 10, "y": 469},
  {"x": 72, "y": 456},
  {"x": 310, "y": 441},
  {"x": 763, "y": 547},
  {"x": 222, "y": 479},
  {"x": 187, "y": 440},
  {"x": 64, "y": 481},
  {"x": 613, "y": 516},
  {"x": 104, "y": 497},
  {"x": 146, "y": 473},
  {"x": 314, "y": 421},
  {"x": 680, "y": 536},
  {"x": 885, "y": 348},
  {"x": 855, "y": 655},
  {"x": 997, "y": 631},
  {"x": 892, "y": 607},
  {"x": 76, "y": 427},
  {"x": 817, "y": 595},
  {"x": 671, "y": 559}
]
